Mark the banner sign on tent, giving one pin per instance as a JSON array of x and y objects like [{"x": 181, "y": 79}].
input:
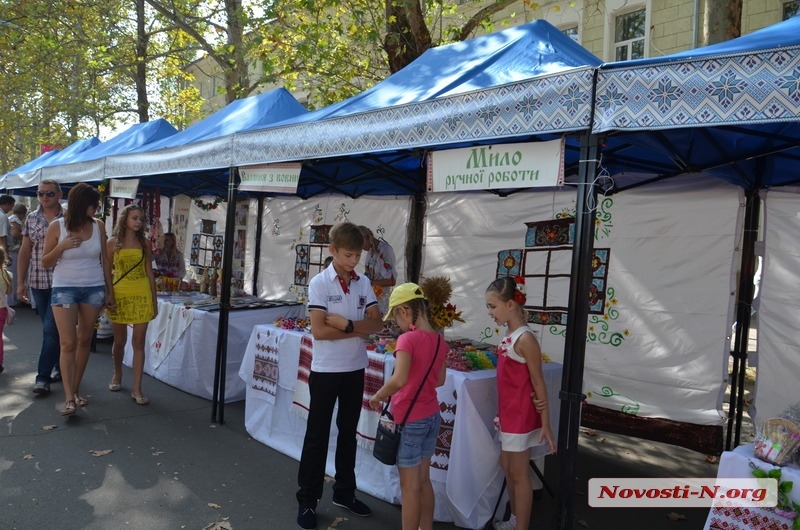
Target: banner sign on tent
[
  {"x": 280, "y": 178},
  {"x": 123, "y": 189},
  {"x": 499, "y": 166}
]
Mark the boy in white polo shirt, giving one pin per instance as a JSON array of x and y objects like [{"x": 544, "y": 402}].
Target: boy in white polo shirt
[{"x": 343, "y": 310}]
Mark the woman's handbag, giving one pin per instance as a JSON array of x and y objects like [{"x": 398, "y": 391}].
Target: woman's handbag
[{"x": 387, "y": 438}]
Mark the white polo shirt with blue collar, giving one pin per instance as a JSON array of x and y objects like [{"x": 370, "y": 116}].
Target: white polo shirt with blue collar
[{"x": 326, "y": 293}]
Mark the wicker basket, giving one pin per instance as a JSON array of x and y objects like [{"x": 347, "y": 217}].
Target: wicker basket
[{"x": 777, "y": 441}]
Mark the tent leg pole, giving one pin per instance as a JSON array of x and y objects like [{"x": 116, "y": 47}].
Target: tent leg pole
[
  {"x": 259, "y": 231},
  {"x": 220, "y": 369},
  {"x": 577, "y": 316},
  {"x": 743, "y": 317}
]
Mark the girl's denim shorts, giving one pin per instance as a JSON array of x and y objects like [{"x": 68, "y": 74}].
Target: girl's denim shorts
[
  {"x": 67, "y": 296},
  {"x": 418, "y": 441}
]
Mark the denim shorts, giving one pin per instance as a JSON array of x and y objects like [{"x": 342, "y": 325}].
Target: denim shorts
[
  {"x": 418, "y": 441},
  {"x": 66, "y": 296}
]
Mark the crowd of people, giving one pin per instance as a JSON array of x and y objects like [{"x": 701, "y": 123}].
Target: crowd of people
[
  {"x": 69, "y": 272},
  {"x": 63, "y": 266}
]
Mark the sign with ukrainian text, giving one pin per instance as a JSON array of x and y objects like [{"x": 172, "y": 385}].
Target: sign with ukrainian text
[
  {"x": 277, "y": 178},
  {"x": 496, "y": 167},
  {"x": 123, "y": 189}
]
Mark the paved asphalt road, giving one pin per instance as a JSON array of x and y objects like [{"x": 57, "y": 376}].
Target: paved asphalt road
[{"x": 167, "y": 466}]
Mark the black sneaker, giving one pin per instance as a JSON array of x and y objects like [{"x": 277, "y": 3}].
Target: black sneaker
[
  {"x": 1, "y": 368},
  {"x": 356, "y": 506},
  {"x": 306, "y": 518},
  {"x": 55, "y": 376},
  {"x": 41, "y": 388}
]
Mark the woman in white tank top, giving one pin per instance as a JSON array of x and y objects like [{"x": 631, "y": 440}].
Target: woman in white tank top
[{"x": 81, "y": 285}]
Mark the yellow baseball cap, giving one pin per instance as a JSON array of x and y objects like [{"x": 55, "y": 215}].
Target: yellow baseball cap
[{"x": 401, "y": 294}]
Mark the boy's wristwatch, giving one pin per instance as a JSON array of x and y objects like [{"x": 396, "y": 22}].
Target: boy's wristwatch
[{"x": 349, "y": 327}]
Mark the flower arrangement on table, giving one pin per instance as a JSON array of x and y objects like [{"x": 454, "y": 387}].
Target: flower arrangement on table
[
  {"x": 442, "y": 312},
  {"x": 293, "y": 323}
]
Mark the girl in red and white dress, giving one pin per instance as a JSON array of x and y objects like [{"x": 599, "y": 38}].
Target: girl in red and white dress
[{"x": 523, "y": 423}]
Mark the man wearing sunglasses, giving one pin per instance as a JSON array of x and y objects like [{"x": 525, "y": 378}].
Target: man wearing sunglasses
[{"x": 31, "y": 274}]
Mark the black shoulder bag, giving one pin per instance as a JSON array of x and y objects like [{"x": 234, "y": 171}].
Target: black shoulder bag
[{"x": 387, "y": 439}]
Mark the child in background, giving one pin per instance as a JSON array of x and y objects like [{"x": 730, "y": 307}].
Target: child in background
[
  {"x": 135, "y": 293},
  {"x": 5, "y": 289},
  {"x": 343, "y": 310},
  {"x": 523, "y": 424},
  {"x": 420, "y": 351}
]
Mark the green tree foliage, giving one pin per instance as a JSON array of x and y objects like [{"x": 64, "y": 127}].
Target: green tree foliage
[{"x": 331, "y": 50}]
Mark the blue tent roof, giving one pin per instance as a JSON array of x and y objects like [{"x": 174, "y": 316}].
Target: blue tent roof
[
  {"x": 31, "y": 175},
  {"x": 89, "y": 164},
  {"x": 206, "y": 145},
  {"x": 731, "y": 110},
  {"x": 515, "y": 54},
  {"x": 247, "y": 114}
]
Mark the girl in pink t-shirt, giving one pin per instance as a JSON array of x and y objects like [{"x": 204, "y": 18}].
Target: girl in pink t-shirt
[
  {"x": 419, "y": 367},
  {"x": 523, "y": 423}
]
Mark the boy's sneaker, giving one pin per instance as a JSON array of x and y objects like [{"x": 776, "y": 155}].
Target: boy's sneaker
[
  {"x": 41, "y": 388},
  {"x": 354, "y": 505},
  {"x": 306, "y": 518}
]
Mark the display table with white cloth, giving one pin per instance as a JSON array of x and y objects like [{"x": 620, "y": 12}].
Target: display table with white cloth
[
  {"x": 181, "y": 344},
  {"x": 736, "y": 464},
  {"x": 465, "y": 469}
]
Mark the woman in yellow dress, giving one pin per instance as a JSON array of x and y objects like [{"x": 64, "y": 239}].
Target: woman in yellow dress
[{"x": 134, "y": 292}]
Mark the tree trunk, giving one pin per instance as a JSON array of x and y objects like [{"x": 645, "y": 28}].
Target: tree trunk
[
  {"x": 407, "y": 35},
  {"x": 237, "y": 80},
  {"x": 140, "y": 76},
  {"x": 723, "y": 20}
]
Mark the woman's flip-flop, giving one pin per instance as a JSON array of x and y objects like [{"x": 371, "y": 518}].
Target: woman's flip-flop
[
  {"x": 69, "y": 409},
  {"x": 81, "y": 401}
]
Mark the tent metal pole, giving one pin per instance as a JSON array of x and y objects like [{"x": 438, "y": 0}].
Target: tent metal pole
[
  {"x": 257, "y": 259},
  {"x": 218, "y": 402},
  {"x": 743, "y": 313},
  {"x": 571, "y": 395}
]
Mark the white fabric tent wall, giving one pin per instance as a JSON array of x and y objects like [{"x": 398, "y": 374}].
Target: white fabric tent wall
[
  {"x": 673, "y": 253},
  {"x": 777, "y": 386},
  {"x": 287, "y": 221}
]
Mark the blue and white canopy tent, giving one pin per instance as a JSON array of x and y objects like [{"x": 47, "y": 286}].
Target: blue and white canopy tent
[
  {"x": 28, "y": 175},
  {"x": 731, "y": 110}
]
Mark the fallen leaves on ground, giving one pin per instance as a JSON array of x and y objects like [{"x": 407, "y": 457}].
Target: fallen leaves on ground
[
  {"x": 214, "y": 505},
  {"x": 101, "y": 452},
  {"x": 583, "y": 523},
  {"x": 672, "y": 516},
  {"x": 336, "y": 522},
  {"x": 711, "y": 459},
  {"x": 590, "y": 432},
  {"x": 27, "y": 457},
  {"x": 600, "y": 440},
  {"x": 219, "y": 525},
  {"x": 49, "y": 427},
  {"x": 157, "y": 453}
]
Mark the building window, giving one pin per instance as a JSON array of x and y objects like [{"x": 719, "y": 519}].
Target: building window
[
  {"x": 571, "y": 32},
  {"x": 629, "y": 36},
  {"x": 790, "y": 9}
]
